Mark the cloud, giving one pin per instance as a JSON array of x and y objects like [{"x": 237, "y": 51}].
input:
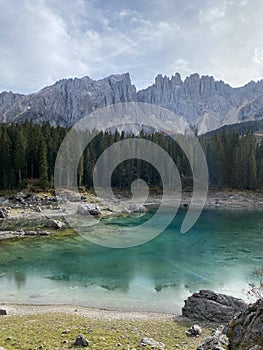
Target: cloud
[{"x": 45, "y": 40}]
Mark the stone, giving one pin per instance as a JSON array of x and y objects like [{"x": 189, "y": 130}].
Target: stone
[
  {"x": 194, "y": 331},
  {"x": 202, "y": 101},
  {"x": 3, "y": 213},
  {"x": 137, "y": 208},
  {"x": 152, "y": 343},
  {"x": 3, "y": 312},
  {"x": 81, "y": 341},
  {"x": 245, "y": 331},
  {"x": 216, "y": 341},
  {"x": 209, "y": 306},
  {"x": 89, "y": 209},
  {"x": 56, "y": 224}
]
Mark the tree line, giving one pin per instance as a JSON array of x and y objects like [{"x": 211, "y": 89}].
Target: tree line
[{"x": 28, "y": 154}]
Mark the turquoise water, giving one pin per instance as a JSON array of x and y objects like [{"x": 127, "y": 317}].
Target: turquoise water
[{"x": 218, "y": 253}]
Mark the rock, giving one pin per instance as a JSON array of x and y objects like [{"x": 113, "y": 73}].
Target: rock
[
  {"x": 216, "y": 341},
  {"x": 200, "y": 100},
  {"x": 152, "y": 343},
  {"x": 209, "y": 306},
  {"x": 3, "y": 213},
  {"x": 55, "y": 224},
  {"x": 89, "y": 209},
  {"x": 44, "y": 233},
  {"x": 81, "y": 341},
  {"x": 137, "y": 208},
  {"x": 3, "y": 312},
  {"x": 194, "y": 331},
  {"x": 245, "y": 331}
]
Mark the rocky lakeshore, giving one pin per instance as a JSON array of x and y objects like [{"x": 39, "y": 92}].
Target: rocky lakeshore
[
  {"x": 209, "y": 321},
  {"x": 44, "y": 212}
]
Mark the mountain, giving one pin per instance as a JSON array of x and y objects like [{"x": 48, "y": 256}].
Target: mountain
[{"x": 202, "y": 101}]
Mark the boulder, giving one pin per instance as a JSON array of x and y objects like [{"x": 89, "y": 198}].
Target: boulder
[
  {"x": 89, "y": 209},
  {"x": 194, "y": 331},
  {"x": 216, "y": 341},
  {"x": 55, "y": 224},
  {"x": 153, "y": 344},
  {"x": 137, "y": 208},
  {"x": 210, "y": 306},
  {"x": 81, "y": 341},
  {"x": 3, "y": 312},
  {"x": 3, "y": 213},
  {"x": 245, "y": 331}
]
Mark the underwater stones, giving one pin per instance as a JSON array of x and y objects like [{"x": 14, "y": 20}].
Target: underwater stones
[
  {"x": 3, "y": 312},
  {"x": 89, "y": 209},
  {"x": 81, "y": 341},
  {"x": 216, "y": 341},
  {"x": 152, "y": 343},
  {"x": 194, "y": 331},
  {"x": 210, "y": 306}
]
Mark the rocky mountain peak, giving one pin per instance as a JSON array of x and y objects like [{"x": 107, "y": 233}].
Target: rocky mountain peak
[{"x": 201, "y": 100}]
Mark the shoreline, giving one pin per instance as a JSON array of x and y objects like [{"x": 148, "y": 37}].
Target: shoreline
[
  {"x": 86, "y": 311},
  {"x": 38, "y": 209}
]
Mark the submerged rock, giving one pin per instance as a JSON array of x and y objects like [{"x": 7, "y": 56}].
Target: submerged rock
[
  {"x": 210, "y": 306},
  {"x": 81, "y": 341},
  {"x": 152, "y": 343},
  {"x": 245, "y": 331}
]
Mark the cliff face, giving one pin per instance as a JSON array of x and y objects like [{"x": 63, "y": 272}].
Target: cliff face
[
  {"x": 68, "y": 100},
  {"x": 202, "y": 101}
]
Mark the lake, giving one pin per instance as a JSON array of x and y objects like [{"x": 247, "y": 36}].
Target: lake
[{"x": 218, "y": 253}]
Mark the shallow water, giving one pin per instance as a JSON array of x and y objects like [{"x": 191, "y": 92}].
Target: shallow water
[{"x": 218, "y": 253}]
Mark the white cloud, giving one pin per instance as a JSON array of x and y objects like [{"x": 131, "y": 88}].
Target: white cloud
[{"x": 45, "y": 40}]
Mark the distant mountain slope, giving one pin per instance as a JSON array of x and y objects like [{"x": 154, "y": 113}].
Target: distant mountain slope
[{"x": 202, "y": 101}]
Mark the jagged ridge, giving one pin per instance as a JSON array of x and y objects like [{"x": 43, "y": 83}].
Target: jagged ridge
[{"x": 202, "y": 101}]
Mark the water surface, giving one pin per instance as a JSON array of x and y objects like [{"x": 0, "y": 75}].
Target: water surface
[{"x": 218, "y": 253}]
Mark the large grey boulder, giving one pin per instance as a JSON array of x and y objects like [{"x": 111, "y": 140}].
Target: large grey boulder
[
  {"x": 89, "y": 209},
  {"x": 216, "y": 341},
  {"x": 210, "y": 306},
  {"x": 245, "y": 331}
]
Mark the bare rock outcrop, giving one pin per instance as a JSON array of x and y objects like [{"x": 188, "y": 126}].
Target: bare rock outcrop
[
  {"x": 210, "y": 306},
  {"x": 245, "y": 331}
]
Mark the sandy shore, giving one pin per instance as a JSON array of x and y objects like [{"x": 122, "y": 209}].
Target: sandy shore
[{"x": 94, "y": 313}]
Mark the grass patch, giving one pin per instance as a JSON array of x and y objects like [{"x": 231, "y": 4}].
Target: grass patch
[{"x": 46, "y": 331}]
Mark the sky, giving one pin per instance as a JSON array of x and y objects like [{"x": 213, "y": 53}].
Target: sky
[{"x": 42, "y": 41}]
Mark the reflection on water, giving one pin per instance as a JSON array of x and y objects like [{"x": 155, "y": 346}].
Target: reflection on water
[{"x": 218, "y": 253}]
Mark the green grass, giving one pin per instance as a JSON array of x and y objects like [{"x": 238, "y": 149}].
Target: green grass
[{"x": 45, "y": 331}]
